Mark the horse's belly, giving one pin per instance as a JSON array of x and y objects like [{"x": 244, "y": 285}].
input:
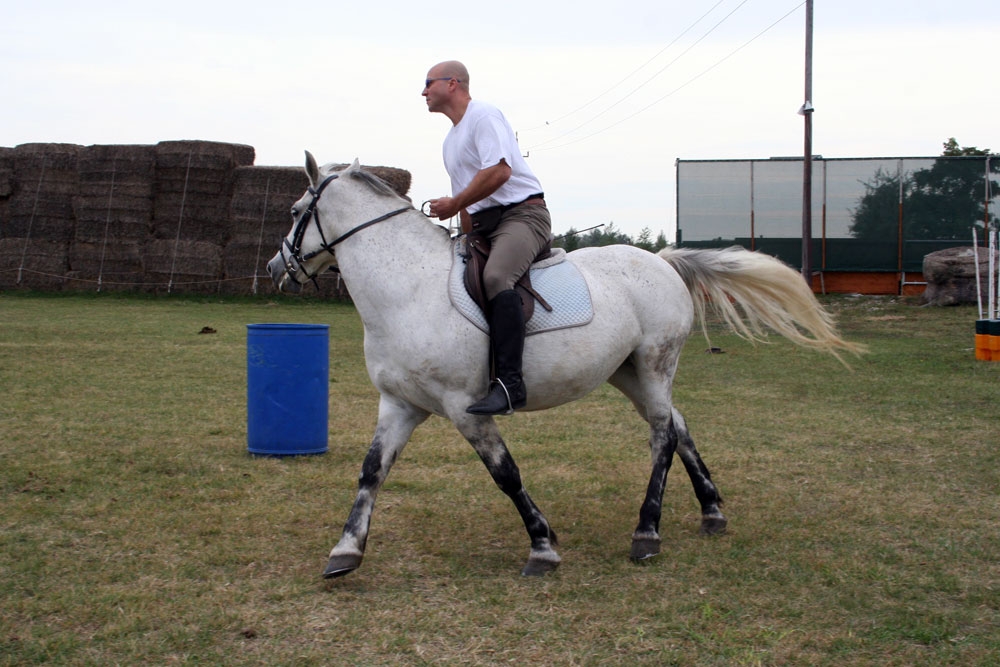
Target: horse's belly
[{"x": 564, "y": 366}]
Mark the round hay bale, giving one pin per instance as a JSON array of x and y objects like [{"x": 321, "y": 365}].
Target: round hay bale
[{"x": 951, "y": 275}]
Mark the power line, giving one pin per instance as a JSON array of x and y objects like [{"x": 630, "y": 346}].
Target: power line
[
  {"x": 633, "y": 72},
  {"x": 660, "y": 99},
  {"x": 644, "y": 83}
]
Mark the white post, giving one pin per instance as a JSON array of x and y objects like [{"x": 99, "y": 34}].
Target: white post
[
  {"x": 975, "y": 258},
  {"x": 991, "y": 307}
]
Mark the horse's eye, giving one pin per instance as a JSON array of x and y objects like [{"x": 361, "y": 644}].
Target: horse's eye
[{"x": 295, "y": 214}]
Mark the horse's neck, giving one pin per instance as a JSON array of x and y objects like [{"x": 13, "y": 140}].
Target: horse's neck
[{"x": 395, "y": 266}]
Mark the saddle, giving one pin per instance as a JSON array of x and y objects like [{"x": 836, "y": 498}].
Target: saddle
[{"x": 477, "y": 252}]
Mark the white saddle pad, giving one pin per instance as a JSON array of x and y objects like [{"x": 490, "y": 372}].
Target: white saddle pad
[{"x": 557, "y": 281}]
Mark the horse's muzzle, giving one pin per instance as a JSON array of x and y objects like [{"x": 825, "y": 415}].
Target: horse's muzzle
[{"x": 277, "y": 268}]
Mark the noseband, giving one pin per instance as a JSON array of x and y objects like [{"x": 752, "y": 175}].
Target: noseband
[{"x": 295, "y": 259}]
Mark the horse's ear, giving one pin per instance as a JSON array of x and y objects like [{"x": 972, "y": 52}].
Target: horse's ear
[
  {"x": 312, "y": 169},
  {"x": 355, "y": 165}
]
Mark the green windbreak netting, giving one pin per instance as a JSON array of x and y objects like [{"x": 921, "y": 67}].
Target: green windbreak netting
[{"x": 872, "y": 214}]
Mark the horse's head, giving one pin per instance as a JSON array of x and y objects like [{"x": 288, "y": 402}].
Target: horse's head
[{"x": 309, "y": 248}]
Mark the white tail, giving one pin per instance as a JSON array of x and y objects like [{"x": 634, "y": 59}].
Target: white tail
[{"x": 766, "y": 291}]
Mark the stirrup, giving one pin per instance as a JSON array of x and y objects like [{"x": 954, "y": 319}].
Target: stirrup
[
  {"x": 510, "y": 405},
  {"x": 479, "y": 407}
]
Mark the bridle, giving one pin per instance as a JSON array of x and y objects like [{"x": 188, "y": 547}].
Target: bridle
[{"x": 295, "y": 260}]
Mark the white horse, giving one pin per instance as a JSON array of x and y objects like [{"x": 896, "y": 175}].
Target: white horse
[{"x": 425, "y": 358}]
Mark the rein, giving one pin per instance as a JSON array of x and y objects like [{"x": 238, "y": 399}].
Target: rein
[{"x": 296, "y": 259}]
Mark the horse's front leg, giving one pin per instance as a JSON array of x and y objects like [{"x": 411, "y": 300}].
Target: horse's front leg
[
  {"x": 396, "y": 422},
  {"x": 484, "y": 436}
]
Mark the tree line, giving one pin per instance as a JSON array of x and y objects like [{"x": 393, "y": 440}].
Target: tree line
[
  {"x": 608, "y": 234},
  {"x": 943, "y": 201}
]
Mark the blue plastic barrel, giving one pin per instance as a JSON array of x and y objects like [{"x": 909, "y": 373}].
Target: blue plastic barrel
[{"x": 288, "y": 387}]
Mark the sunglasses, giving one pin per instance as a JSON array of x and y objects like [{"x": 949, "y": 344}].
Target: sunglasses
[{"x": 428, "y": 82}]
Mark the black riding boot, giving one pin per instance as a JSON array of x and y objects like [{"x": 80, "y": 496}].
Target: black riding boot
[{"x": 507, "y": 393}]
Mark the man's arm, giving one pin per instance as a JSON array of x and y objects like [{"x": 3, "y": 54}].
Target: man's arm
[{"x": 484, "y": 183}]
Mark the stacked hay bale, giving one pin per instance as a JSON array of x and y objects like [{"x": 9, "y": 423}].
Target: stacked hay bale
[
  {"x": 193, "y": 188},
  {"x": 113, "y": 210},
  {"x": 6, "y": 183},
  {"x": 258, "y": 219},
  {"x": 38, "y": 223},
  {"x": 180, "y": 216}
]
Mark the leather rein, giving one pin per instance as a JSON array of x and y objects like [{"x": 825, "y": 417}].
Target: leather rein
[{"x": 295, "y": 259}]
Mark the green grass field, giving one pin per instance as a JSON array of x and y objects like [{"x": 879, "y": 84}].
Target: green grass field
[{"x": 135, "y": 528}]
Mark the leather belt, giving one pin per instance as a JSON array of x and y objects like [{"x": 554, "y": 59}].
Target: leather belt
[{"x": 486, "y": 213}]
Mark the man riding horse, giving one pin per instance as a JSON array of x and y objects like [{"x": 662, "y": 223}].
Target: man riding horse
[{"x": 497, "y": 197}]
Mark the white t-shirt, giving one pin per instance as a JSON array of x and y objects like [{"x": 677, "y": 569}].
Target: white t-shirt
[{"x": 481, "y": 139}]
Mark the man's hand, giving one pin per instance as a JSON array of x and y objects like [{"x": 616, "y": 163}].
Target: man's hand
[
  {"x": 484, "y": 183},
  {"x": 444, "y": 208}
]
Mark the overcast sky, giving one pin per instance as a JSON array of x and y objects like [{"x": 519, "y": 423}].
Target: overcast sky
[{"x": 604, "y": 98}]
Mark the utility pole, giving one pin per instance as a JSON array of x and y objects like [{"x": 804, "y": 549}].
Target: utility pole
[{"x": 807, "y": 112}]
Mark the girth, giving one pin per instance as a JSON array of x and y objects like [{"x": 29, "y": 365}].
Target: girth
[{"x": 478, "y": 251}]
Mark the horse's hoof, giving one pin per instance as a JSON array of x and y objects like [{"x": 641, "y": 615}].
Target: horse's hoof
[
  {"x": 340, "y": 565},
  {"x": 539, "y": 567},
  {"x": 713, "y": 525},
  {"x": 644, "y": 548}
]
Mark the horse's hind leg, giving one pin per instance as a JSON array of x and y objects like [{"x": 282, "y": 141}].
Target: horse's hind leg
[
  {"x": 713, "y": 521},
  {"x": 646, "y": 538},
  {"x": 664, "y": 441},
  {"x": 649, "y": 391},
  {"x": 645, "y": 382},
  {"x": 396, "y": 422},
  {"x": 485, "y": 438}
]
